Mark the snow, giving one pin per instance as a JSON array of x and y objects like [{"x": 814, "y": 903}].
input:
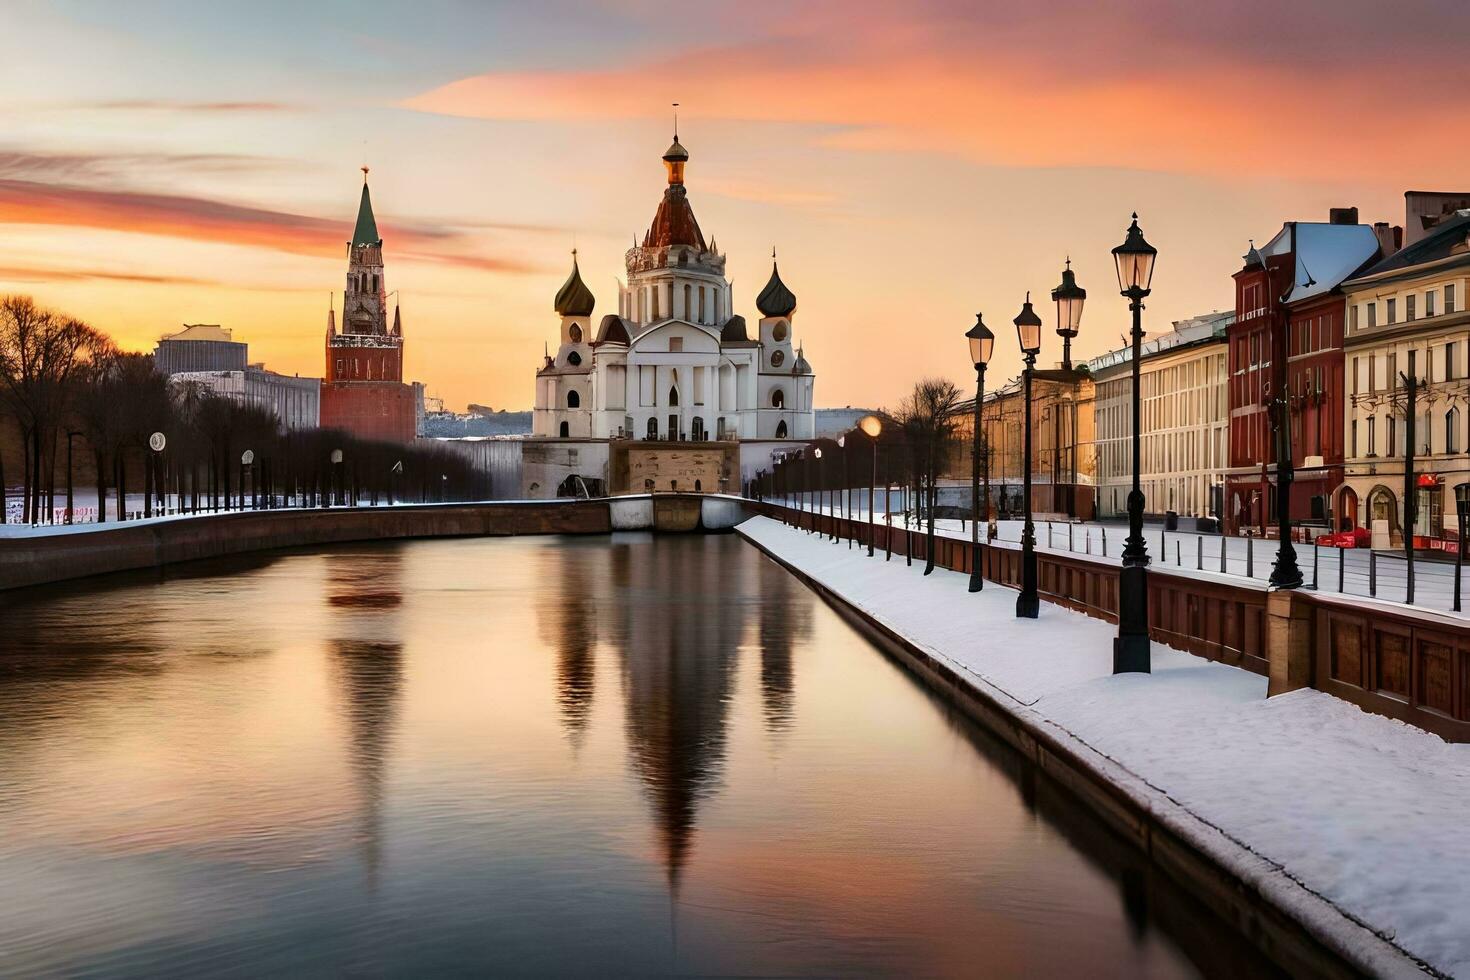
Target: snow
[{"x": 1344, "y": 816}]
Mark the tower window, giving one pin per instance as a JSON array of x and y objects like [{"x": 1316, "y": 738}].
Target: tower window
[
  {"x": 674, "y": 396},
  {"x": 778, "y": 399},
  {"x": 575, "y": 333},
  {"x": 781, "y": 429},
  {"x": 574, "y": 359},
  {"x": 574, "y": 400}
]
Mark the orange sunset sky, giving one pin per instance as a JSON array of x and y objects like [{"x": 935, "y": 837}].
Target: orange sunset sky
[{"x": 164, "y": 163}]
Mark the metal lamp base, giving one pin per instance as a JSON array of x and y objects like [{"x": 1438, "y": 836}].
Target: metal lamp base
[
  {"x": 1131, "y": 650},
  {"x": 1028, "y": 605}
]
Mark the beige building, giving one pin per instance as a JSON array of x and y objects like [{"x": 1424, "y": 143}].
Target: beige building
[
  {"x": 1182, "y": 380},
  {"x": 1410, "y": 305}
]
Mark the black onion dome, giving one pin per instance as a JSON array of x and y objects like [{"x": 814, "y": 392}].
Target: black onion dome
[
  {"x": 612, "y": 330},
  {"x": 776, "y": 299},
  {"x": 676, "y": 151},
  {"x": 574, "y": 298},
  {"x": 734, "y": 330}
]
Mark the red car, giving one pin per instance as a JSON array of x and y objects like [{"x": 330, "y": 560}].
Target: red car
[{"x": 1358, "y": 537}]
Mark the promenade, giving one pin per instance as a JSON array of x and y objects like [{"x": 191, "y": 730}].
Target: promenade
[{"x": 1348, "y": 823}]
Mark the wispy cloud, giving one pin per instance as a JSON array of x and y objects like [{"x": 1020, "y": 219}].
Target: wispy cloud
[
  {"x": 38, "y": 274},
  {"x": 167, "y": 105},
  {"x": 69, "y": 204}
]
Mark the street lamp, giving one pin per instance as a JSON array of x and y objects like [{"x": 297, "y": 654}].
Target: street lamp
[
  {"x": 872, "y": 427},
  {"x": 1028, "y": 334},
  {"x": 982, "y": 344},
  {"x": 1135, "y": 263},
  {"x": 1069, "y": 298},
  {"x": 820, "y": 489},
  {"x": 844, "y": 504}
]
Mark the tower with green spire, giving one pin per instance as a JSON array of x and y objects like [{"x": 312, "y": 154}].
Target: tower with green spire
[{"x": 365, "y": 300}]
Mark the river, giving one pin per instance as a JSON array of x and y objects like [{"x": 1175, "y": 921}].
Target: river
[{"x": 528, "y": 756}]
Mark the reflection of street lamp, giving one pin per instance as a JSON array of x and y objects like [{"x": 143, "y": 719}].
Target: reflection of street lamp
[
  {"x": 872, "y": 427},
  {"x": 1028, "y": 334},
  {"x": 982, "y": 344},
  {"x": 1135, "y": 262}
]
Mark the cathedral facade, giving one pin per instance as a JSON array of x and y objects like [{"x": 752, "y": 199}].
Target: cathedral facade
[
  {"x": 675, "y": 363},
  {"x": 363, "y": 391}
]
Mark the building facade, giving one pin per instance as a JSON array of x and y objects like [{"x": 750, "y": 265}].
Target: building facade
[
  {"x": 1289, "y": 302},
  {"x": 675, "y": 363},
  {"x": 1062, "y": 440},
  {"x": 363, "y": 391},
  {"x": 295, "y": 401},
  {"x": 1408, "y": 318},
  {"x": 199, "y": 347},
  {"x": 1184, "y": 406}
]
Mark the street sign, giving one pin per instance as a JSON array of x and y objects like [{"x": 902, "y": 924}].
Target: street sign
[
  {"x": 247, "y": 457},
  {"x": 156, "y": 442}
]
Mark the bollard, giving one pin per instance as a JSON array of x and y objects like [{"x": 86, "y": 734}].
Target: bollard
[
  {"x": 1316, "y": 551},
  {"x": 1087, "y": 543},
  {"x": 1104, "y": 542},
  {"x": 1341, "y": 567},
  {"x": 1048, "y": 535},
  {"x": 1199, "y": 559},
  {"x": 1177, "y": 559},
  {"x": 1069, "y": 536},
  {"x": 1250, "y": 557},
  {"x": 1372, "y": 573}
]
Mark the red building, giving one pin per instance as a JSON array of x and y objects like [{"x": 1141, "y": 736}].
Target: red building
[
  {"x": 1287, "y": 298},
  {"x": 363, "y": 391}
]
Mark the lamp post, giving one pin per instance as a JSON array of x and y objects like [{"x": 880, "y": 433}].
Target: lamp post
[
  {"x": 1284, "y": 571},
  {"x": 982, "y": 345},
  {"x": 817, "y": 517},
  {"x": 1069, "y": 298},
  {"x": 1028, "y": 333},
  {"x": 838, "y": 503},
  {"x": 872, "y": 427},
  {"x": 1135, "y": 263}
]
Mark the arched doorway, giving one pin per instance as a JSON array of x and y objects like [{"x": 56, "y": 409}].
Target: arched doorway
[
  {"x": 781, "y": 429},
  {"x": 1347, "y": 509},
  {"x": 1383, "y": 505},
  {"x": 566, "y": 430}
]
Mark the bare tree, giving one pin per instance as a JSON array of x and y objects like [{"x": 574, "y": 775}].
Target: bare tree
[
  {"x": 928, "y": 419},
  {"x": 41, "y": 352}
]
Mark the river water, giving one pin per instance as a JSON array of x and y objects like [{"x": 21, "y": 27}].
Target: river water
[{"x": 527, "y": 756}]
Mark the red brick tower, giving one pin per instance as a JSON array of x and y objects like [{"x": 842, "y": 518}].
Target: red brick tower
[{"x": 362, "y": 390}]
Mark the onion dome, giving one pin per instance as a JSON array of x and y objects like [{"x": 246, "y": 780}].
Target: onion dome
[
  {"x": 612, "y": 330},
  {"x": 574, "y": 298},
  {"x": 801, "y": 366},
  {"x": 734, "y": 330},
  {"x": 676, "y": 151},
  {"x": 776, "y": 299}
]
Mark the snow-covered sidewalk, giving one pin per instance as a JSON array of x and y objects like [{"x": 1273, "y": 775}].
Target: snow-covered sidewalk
[{"x": 1301, "y": 791}]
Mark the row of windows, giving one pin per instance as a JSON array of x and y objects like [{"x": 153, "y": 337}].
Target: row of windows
[
  {"x": 1439, "y": 363},
  {"x": 1395, "y": 434},
  {"x": 1369, "y": 316},
  {"x": 651, "y": 303}
]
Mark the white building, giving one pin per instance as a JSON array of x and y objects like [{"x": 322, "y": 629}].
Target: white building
[
  {"x": 295, "y": 401},
  {"x": 1182, "y": 382},
  {"x": 675, "y": 363},
  {"x": 1412, "y": 304}
]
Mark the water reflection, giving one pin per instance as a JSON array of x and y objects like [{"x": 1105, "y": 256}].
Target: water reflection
[
  {"x": 524, "y": 757},
  {"x": 364, "y": 593}
]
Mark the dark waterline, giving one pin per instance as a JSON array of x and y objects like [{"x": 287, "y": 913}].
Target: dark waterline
[{"x": 637, "y": 755}]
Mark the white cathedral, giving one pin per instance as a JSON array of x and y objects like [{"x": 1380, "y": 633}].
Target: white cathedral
[{"x": 675, "y": 363}]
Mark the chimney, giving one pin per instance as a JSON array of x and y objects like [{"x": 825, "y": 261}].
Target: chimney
[
  {"x": 1388, "y": 237},
  {"x": 1342, "y": 216}
]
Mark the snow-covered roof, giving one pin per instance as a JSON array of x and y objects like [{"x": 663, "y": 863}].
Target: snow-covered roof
[{"x": 1326, "y": 254}]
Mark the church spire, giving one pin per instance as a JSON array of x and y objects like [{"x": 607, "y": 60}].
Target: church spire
[{"x": 366, "y": 232}]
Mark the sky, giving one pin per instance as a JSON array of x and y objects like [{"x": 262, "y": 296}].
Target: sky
[{"x": 170, "y": 163}]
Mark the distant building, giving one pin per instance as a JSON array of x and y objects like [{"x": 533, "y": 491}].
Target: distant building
[
  {"x": 1184, "y": 404},
  {"x": 1293, "y": 283},
  {"x": 1410, "y": 305},
  {"x": 295, "y": 401},
  {"x": 199, "y": 347},
  {"x": 363, "y": 392}
]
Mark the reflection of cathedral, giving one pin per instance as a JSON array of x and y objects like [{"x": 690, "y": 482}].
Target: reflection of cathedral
[
  {"x": 678, "y": 657},
  {"x": 675, "y": 362}
]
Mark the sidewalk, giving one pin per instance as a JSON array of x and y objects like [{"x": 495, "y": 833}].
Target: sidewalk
[{"x": 1350, "y": 822}]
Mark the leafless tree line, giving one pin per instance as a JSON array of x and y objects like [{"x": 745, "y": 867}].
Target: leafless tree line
[{"x": 62, "y": 380}]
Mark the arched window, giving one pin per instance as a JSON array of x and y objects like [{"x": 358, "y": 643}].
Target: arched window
[
  {"x": 778, "y": 398},
  {"x": 1452, "y": 431},
  {"x": 566, "y": 429},
  {"x": 653, "y": 428},
  {"x": 688, "y": 302},
  {"x": 674, "y": 396},
  {"x": 696, "y": 429},
  {"x": 575, "y": 333},
  {"x": 698, "y": 487},
  {"x": 375, "y": 282},
  {"x": 574, "y": 359},
  {"x": 574, "y": 400},
  {"x": 781, "y": 429}
]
